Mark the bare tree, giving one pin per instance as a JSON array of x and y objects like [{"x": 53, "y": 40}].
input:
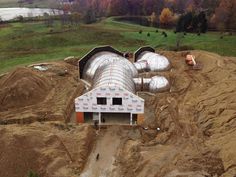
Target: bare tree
[{"x": 179, "y": 38}]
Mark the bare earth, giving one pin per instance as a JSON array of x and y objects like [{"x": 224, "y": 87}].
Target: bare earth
[
  {"x": 29, "y": 95},
  {"x": 197, "y": 121},
  {"x": 50, "y": 149}
]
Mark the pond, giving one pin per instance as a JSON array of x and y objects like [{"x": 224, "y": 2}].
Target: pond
[{"x": 11, "y": 13}]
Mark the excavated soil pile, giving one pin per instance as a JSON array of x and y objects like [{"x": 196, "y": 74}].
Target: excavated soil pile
[
  {"x": 189, "y": 131},
  {"x": 197, "y": 122},
  {"x": 21, "y": 88},
  {"x": 28, "y": 95},
  {"x": 50, "y": 150}
]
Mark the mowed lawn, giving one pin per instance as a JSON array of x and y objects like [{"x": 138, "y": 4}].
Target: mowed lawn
[{"x": 25, "y": 43}]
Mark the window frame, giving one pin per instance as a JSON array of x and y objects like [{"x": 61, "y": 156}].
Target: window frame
[
  {"x": 101, "y": 100},
  {"x": 117, "y": 101}
]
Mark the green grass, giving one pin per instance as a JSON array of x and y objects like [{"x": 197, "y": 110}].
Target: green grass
[{"x": 25, "y": 43}]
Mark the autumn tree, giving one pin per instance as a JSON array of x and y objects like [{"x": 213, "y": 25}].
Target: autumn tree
[
  {"x": 166, "y": 16},
  {"x": 225, "y": 14},
  {"x": 118, "y": 7},
  {"x": 153, "y": 19}
]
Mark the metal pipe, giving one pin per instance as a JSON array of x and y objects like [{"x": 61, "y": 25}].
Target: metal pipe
[
  {"x": 106, "y": 69},
  {"x": 154, "y": 84},
  {"x": 150, "y": 61},
  {"x": 101, "y": 59},
  {"x": 158, "y": 84}
]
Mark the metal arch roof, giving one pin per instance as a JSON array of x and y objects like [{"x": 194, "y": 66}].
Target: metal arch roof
[
  {"x": 114, "y": 74},
  {"x": 141, "y": 50},
  {"x": 82, "y": 62},
  {"x": 106, "y": 68}
]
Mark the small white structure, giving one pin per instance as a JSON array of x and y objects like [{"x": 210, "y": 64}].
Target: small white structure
[{"x": 110, "y": 99}]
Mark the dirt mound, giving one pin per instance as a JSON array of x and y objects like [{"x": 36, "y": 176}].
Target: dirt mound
[
  {"x": 191, "y": 129},
  {"x": 197, "y": 121},
  {"x": 50, "y": 150},
  {"x": 21, "y": 88},
  {"x": 39, "y": 95}
]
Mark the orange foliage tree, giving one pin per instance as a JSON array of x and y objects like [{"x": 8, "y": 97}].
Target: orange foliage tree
[
  {"x": 153, "y": 19},
  {"x": 225, "y": 14},
  {"x": 166, "y": 16}
]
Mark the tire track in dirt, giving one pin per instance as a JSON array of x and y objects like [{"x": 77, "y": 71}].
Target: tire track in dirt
[{"x": 106, "y": 146}]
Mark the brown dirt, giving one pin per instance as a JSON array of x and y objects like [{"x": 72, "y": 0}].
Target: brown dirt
[
  {"x": 23, "y": 87},
  {"x": 28, "y": 95},
  {"x": 49, "y": 149},
  {"x": 197, "y": 121},
  {"x": 103, "y": 166}
]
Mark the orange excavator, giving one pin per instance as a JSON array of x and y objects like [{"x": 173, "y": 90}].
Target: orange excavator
[{"x": 191, "y": 61}]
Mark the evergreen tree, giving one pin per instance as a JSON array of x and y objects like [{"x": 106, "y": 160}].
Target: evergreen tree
[{"x": 89, "y": 17}]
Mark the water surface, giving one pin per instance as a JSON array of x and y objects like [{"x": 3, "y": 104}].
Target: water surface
[{"x": 11, "y": 13}]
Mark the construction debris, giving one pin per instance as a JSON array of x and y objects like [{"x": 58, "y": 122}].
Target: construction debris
[{"x": 41, "y": 68}]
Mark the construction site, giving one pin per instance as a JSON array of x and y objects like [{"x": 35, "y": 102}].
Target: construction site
[{"x": 144, "y": 113}]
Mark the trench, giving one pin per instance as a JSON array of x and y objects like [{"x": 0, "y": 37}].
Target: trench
[{"x": 107, "y": 143}]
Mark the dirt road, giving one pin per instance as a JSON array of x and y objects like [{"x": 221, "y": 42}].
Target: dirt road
[{"x": 107, "y": 145}]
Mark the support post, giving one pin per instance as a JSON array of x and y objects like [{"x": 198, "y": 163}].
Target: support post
[
  {"x": 131, "y": 119},
  {"x": 99, "y": 117}
]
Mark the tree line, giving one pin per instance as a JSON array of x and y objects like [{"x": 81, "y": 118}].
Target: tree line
[
  {"x": 220, "y": 14},
  {"x": 185, "y": 15}
]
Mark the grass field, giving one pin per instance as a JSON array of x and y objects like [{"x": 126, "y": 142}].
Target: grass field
[{"x": 25, "y": 43}]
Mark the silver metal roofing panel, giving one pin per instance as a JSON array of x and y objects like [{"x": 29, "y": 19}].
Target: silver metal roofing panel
[
  {"x": 106, "y": 68},
  {"x": 155, "y": 62},
  {"x": 109, "y": 69},
  {"x": 103, "y": 59},
  {"x": 115, "y": 74},
  {"x": 154, "y": 84},
  {"x": 158, "y": 84}
]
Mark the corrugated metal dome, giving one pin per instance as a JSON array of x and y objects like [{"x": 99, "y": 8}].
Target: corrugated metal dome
[
  {"x": 149, "y": 61},
  {"x": 103, "y": 59},
  {"x": 115, "y": 74},
  {"x": 107, "y": 68}
]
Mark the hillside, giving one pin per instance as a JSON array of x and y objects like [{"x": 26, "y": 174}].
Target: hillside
[
  {"x": 26, "y": 43},
  {"x": 196, "y": 121}
]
